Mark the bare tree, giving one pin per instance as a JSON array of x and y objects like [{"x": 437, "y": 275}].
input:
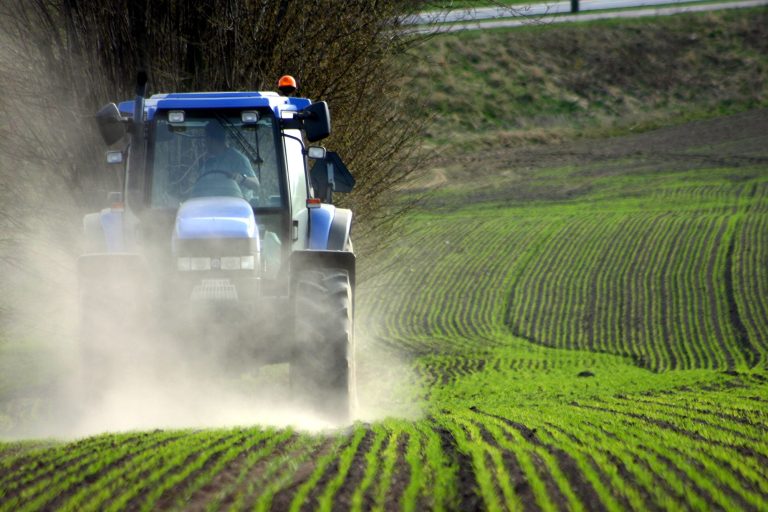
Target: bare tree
[{"x": 346, "y": 53}]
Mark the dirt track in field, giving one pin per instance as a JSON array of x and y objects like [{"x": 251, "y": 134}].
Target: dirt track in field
[{"x": 693, "y": 145}]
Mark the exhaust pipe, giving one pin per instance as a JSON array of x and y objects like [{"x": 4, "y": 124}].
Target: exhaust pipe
[
  {"x": 138, "y": 104},
  {"x": 136, "y": 175}
]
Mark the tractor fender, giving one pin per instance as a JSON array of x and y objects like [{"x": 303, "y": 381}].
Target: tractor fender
[
  {"x": 104, "y": 231},
  {"x": 307, "y": 260},
  {"x": 329, "y": 228}
]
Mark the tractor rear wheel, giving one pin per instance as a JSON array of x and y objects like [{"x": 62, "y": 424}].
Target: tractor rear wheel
[{"x": 323, "y": 366}]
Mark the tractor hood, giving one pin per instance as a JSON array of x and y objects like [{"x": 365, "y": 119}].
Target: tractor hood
[{"x": 215, "y": 217}]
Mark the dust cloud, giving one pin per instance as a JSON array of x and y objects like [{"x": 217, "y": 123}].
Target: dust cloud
[
  {"x": 154, "y": 370},
  {"x": 147, "y": 378}
]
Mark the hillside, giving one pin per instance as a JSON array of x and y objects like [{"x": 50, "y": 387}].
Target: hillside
[
  {"x": 579, "y": 322},
  {"x": 541, "y": 84}
]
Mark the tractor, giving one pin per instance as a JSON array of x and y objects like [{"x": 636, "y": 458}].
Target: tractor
[{"x": 224, "y": 237}]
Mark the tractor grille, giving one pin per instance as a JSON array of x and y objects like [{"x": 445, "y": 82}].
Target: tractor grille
[{"x": 214, "y": 289}]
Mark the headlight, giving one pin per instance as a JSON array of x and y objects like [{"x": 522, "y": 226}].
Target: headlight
[
  {"x": 249, "y": 117},
  {"x": 176, "y": 116},
  {"x": 186, "y": 264},
  {"x": 230, "y": 263},
  {"x": 247, "y": 262},
  {"x": 200, "y": 263}
]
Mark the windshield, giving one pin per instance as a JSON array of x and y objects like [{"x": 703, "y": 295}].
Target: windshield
[{"x": 210, "y": 154}]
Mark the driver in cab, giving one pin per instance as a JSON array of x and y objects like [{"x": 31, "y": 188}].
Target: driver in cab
[{"x": 225, "y": 171}]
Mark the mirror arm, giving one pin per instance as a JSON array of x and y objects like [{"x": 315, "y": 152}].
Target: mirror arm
[
  {"x": 292, "y": 124},
  {"x": 331, "y": 182}
]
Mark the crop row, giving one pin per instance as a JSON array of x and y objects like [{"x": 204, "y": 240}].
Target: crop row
[
  {"x": 750, "y": 281},
  {"x": 757, "y": 198},
  {"x": 714, "y": 196},
  {"x": 440, "y": 370},
  {"x": 681, "y": 289},
  {"x": 697, "y": 448},
  {"x": 451, "y": 286},
  {"x": 649, "y": 285},
  {"x": 385, "y": 466},
  {"x": 631, "y": 452}
]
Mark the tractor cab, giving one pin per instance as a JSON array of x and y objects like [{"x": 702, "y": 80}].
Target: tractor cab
[{"x": 189, "y": 148}]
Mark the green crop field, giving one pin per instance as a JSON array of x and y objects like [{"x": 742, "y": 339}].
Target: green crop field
[{"x": 578, "y": 325}]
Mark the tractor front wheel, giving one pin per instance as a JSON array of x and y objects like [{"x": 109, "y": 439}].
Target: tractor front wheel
[{"x": 323, "y": 366}]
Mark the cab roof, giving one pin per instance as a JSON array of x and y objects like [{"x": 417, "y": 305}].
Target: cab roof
[{"x": 213, "y": 100}]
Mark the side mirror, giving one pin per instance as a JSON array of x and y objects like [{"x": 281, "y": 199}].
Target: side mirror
[
  {"x": 330, "y": 175},
  {"x": 317, "y": 121},
  {"x": 111, "y": 123}
]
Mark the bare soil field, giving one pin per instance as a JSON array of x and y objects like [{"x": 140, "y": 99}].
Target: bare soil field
[{"x": 732, "y": 141}]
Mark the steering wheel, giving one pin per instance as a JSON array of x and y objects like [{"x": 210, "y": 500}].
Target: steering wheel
[{"x": 248, "y": 187}]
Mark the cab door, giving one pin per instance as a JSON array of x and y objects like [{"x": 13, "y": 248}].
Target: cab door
[{"x": 297, "y": 188}]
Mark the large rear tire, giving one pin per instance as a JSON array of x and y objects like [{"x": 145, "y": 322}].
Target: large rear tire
[{"x": 323, "y": 365}]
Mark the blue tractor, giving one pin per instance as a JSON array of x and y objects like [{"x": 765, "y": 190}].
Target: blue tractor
[{"x": 224, "y": 237}]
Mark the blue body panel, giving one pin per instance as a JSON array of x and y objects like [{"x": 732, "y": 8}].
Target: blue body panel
[
  {"x": 215, "y": 217},
  {"x": 112, "y": 226},
  {"x": 320, "y": 220},
  {"x": 193, "y": 100}
]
